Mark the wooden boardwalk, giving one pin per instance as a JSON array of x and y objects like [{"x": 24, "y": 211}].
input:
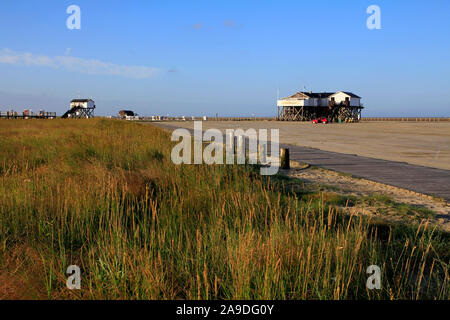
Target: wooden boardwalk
[
  {"x": 420, "y": 179},
  {"x": 416, "y": 178}
]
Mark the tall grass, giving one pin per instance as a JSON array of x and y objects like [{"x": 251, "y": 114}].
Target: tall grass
[{"x": 104, "y": 195}]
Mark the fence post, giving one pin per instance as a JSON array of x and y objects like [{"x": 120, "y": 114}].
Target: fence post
[
  {"x": 262, "y": 153},
  {"x": 284, "y": 159}
]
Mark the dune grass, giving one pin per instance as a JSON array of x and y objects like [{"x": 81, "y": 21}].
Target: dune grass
[{"x": 104, "y": 195}]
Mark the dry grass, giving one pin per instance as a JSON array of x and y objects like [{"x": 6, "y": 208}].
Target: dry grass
[{"x": 104, "y": 195}]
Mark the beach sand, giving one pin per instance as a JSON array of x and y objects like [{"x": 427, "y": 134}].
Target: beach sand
[{"x": 422, "y": 143}]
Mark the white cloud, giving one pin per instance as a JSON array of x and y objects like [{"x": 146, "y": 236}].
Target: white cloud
[{"x": 74, "y": 64}]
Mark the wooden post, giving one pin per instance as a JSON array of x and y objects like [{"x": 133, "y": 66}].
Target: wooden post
[
  {"x": 262, "y": 153},
  {"x": 230, "y": 141},
  {"x": 240, "y": 150},
  {"x": 230, "y": 148},
  {"x": 284, "y": 159}
]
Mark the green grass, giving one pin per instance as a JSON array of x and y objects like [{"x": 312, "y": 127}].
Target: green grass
[
  {"x": 104, "y": 195},
  {"x": 399, "y": 208},
  {"x": 380, "y": 203}
]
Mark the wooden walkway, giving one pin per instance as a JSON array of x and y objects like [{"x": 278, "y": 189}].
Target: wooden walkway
[{"x": 420, "y": 179}]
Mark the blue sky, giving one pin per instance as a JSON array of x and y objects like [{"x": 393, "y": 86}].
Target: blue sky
[{"x": 227, "y": 57}]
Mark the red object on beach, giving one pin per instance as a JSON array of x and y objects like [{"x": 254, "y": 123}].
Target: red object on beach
[{"x": 320, "y": 120}]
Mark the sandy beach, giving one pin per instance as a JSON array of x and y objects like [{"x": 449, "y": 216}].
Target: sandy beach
[{"x": 422, "y": 143}]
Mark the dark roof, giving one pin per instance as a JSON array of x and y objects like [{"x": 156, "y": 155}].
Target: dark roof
[
  {"x": 318, "y": 94},
  {"x": 81, "y": 100},
  {"x": 352, "y": 95},
  {"x": 126, "y": 113}
]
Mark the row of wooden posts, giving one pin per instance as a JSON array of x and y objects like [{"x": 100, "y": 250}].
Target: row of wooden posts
[{"x": 284, "y": 152}]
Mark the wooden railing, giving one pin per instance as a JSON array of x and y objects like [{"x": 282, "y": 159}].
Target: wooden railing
[{"x": 407, "y": 119}]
